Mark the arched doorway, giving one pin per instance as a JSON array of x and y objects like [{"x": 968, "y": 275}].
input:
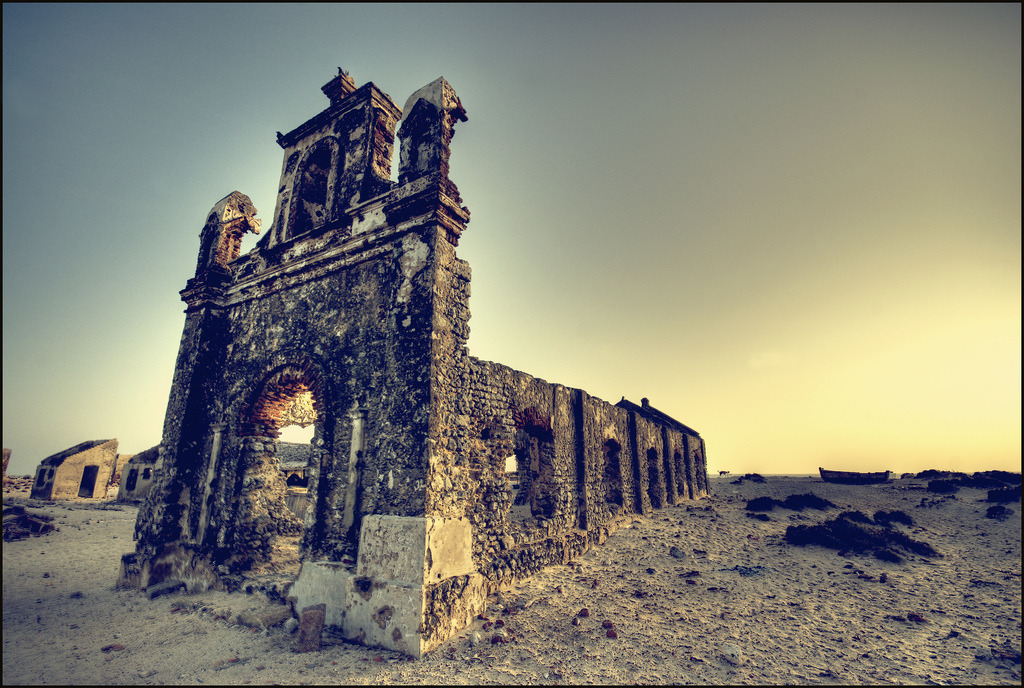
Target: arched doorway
[{"x": 282, "y": 441}]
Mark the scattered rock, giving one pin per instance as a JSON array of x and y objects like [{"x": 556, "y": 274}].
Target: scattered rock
[
  {"x": 677, "y": 553},
  {"x": 1006, "y": 653},
  {"x": 731, "y": 654},
  {"x": 113, "y": 647},
  {"x": 19, "y": 524},
  {"x": 746, "y": 570},
  {"x": 584, "y": 613}
]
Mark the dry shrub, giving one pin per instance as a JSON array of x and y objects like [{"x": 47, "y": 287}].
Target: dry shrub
[
  {"x": 807, "y": 501},
  {"x": 845, "y": 533},
  {"x": 887, "y": 517},
  {"x": 1006, "y": 494},
  {"x": 943, "y": 486},
  {"x": 762, "y": 504}
]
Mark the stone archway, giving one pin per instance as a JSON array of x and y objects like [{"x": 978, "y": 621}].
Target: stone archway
[{"x": 269, "y": 527}]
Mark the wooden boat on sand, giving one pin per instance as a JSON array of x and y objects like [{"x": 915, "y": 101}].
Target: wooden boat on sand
[{"x": 853, "y": 477}]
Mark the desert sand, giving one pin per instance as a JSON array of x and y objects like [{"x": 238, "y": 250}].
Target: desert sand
[{"x": 698, "y": 593}]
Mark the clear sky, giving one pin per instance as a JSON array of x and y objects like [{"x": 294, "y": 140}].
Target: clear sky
[{"x": 794, "y": 228}]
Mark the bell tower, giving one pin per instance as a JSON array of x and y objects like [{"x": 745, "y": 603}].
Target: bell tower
[{"x": 334, "y": 160}]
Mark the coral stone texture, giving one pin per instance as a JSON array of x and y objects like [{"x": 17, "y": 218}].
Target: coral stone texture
[{"x": 433, "y": 478}]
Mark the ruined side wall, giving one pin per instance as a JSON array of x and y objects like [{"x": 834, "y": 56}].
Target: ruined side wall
[
  {"x": 609, "y": 472},
  {"x": 650, "y": 455},
  {"x": 582, "y": 462}
]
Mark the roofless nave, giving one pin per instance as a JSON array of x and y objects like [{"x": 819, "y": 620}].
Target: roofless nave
[{"x": 356, "y": 301}]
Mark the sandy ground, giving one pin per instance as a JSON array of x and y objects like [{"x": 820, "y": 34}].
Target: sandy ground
[{"x": 757, "y": 610}]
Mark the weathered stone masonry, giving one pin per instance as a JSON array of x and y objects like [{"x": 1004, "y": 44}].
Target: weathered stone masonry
[{"x": 434, "y": 477}]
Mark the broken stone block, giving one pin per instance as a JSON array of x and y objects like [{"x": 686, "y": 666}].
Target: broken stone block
[
  {"x": 267, "y": 617},
  {"x": 311, "y": 628},
  {"x": 166, "y": 587}
]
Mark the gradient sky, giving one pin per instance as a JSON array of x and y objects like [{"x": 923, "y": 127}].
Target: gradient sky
[{"x": 794, "y": 228}]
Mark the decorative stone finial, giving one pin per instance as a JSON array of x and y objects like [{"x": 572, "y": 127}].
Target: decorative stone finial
[{"x": 339, "y": 87}]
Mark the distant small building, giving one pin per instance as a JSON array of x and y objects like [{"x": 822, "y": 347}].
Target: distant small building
[
  {"x": 84, "y": 470},
  {"x": 138, "y": 476},
  {"x": 294, "y": 461}
]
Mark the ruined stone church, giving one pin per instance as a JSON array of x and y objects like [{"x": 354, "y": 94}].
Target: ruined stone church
[{"x": 433, "y": 477}]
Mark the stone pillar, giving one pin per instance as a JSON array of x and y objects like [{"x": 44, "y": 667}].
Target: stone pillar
[
  {"x": 211, "y": 473},
  {"x": 355, "y": 457}
]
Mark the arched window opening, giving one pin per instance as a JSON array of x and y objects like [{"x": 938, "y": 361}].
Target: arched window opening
[
  {"x": 526, "y": 460},
  {"x": 312, "y": 190},
  {"x": 535, "y": 468},
  {"x": 653, "y": 487},
  {"x": 670, "y": 487},
  {"x": 682, "y": 477},
  {"x": 612, "y": 472}
]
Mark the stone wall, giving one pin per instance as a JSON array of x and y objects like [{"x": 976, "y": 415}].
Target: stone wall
[{"x": 580, "y": 465}]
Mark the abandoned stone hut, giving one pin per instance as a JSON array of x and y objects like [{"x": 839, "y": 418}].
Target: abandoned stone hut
[
  {"x": 433, "y": 477},
  {"x": 84, "y": 470},
  {"x": 138, "y": 476}
]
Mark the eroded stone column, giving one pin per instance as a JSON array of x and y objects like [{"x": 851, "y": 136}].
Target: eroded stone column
[
  {"x": 355, "y": 457},
  {"x": 211, "y": 473}
]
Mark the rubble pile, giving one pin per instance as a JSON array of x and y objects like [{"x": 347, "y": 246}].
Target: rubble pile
[
  {"x": 18, "y": 485},
  {"x": 20, "y": 524}
]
